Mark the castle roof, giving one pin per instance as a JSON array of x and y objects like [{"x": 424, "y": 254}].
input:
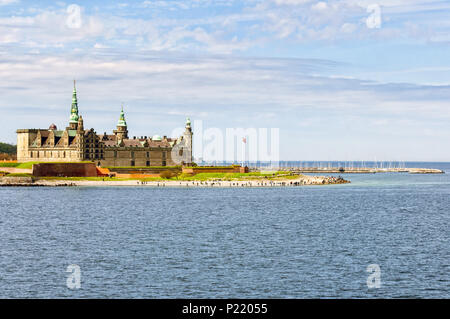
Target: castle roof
[
  {"x": 111, "y": 141},
  {"x": 74, "y": 109},
  {"x": 122, "y": 121}
]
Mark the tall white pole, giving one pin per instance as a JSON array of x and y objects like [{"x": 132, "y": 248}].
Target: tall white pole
[{"x": 243, "y": 153}]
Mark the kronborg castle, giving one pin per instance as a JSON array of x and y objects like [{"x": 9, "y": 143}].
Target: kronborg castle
[{"x": 75, "y": 144}]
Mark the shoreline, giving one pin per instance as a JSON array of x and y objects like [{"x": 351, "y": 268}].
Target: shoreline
[{"x": 301, "y": 181}]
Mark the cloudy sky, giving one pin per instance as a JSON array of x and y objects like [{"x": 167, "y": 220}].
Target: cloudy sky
[{"x": 341, "y": 79}]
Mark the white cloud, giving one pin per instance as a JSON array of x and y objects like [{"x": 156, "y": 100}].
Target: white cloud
[
  {"x": 319, "y": 6},
  {"x": 291, "y": 2},
  {"x": 7, "y": 2},
  {"x": 163, "y": 67}
]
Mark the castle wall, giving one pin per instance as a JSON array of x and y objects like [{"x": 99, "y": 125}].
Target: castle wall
[
  {"x": 65, "y": 169},
  {"x": 24, "y": 138},
  {"x": 26, "y": 153},
  {"x": 131, "y": 156},
  {"x": 53, "y": 155}
]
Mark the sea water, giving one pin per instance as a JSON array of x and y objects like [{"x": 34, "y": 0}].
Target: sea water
[{"x": 283, "y": 242}]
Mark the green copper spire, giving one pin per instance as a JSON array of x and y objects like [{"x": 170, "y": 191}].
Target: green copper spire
[
  {"x": 188, "y": 122},
  {"x": 122, "y": 121},
  {"x": 74, "y": 109}
]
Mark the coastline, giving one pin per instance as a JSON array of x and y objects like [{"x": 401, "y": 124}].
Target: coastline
[{"x": 282, "y": 182}]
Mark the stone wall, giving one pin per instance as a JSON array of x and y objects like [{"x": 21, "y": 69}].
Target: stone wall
[
  {"x": 65, "y": 169},
  {"x": 10, "y": 180},
  {"x": 133, "y": 156}
]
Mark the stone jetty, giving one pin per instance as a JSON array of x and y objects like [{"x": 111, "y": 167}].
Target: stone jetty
[{"x": 363, "y": 170}]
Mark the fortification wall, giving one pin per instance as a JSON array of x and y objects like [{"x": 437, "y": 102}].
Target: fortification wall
[{"x": 65, "y": 170}]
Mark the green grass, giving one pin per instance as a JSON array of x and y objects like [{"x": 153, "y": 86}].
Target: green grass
[
  {"x": 29, "y": 165},
  {"x": 227, "y": 176},
  {"x": 26, "y": 165},
  {"x": 209, "y": 167},
  {"x": 184, "y": 177},
  {"x": 82, "y": 178},
  {"x": 8, "y": 164},
  {"x": 141, "y": 167}
]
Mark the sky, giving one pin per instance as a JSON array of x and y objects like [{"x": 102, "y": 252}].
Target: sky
[{"x": 341, "y": 79}]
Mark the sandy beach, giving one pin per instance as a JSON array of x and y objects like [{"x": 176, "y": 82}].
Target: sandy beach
[{"x": 301, "y": 181}]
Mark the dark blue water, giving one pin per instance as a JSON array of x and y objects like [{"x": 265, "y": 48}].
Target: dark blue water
[{"x": 312, "y": 241}]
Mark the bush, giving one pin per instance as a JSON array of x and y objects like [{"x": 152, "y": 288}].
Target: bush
[
  {"x": 167, "y": 174},
  {"x": 8, "y": 148}
]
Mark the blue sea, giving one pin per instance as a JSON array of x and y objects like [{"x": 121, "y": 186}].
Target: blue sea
[{"x": 290, "y": 242}]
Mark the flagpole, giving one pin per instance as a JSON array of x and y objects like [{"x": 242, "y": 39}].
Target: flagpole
[{"x": 243, "y": 153}]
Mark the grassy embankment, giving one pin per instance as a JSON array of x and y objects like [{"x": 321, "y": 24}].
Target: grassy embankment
[
  {"x": 180, "y": 177},
  {"x": 29, "y": 165},
  {"x": 186, "y": 177}
]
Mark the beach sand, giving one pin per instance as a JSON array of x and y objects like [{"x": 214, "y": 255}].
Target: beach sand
[{"x": 302, "y": 180}]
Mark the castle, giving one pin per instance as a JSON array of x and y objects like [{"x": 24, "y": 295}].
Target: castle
[{"x": 75, "y": 144}]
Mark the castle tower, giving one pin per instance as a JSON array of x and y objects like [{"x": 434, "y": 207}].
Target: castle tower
[
  {"x": 122, "y": 129},
  {"x": 80, "y": 125},
  {"x": 73, "y": 122},
  {"x": 80, "y": 137},
  {"x": 187, "y": 138}
]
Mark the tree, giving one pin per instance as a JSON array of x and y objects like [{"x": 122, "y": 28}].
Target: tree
[{"x": 8, "y": 148}]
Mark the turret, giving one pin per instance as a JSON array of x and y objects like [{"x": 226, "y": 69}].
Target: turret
[
  {"x": 73, "y": 122},
  {"x": 80, "y": 137},
  {"x": 122, "y": 129},
  {"x": 187, "y": 138},
  {"x": 80, "y": 125}
]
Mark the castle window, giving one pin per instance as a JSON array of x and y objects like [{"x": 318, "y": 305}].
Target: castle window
[
  {"x": 164, "y": 162},
  {"x": 180, "y": 152},
  {"x": 132, "y": 163},
  {"x": 115, "y": 154},
  {"x": 31, "y": 154},
  {"x": 132, "y": 154},
  {"x": 148, "y": 154},
  {"x": 147, "y": 163}
]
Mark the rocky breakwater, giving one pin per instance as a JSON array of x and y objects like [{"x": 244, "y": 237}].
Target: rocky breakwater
[
  {"x": 425, "y": 171},
  {"x": 17, "y": 180},
  {"x": 321, "y": 180},
  {"x": 29, "y": 181}
]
